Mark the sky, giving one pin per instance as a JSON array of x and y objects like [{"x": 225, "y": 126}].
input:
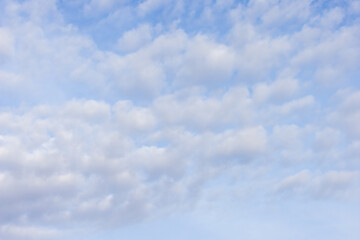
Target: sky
[{"x": 175, "y": 119}]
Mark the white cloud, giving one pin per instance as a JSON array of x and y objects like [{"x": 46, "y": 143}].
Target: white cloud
[
  {"x": 332, "y": 18},
  {"x": 200, "y": 113},
  {"x": 331, "y": 184},
  {"x": 39, "y": 11},
  {"x": 295, "y": 183},
  {"x": 239, "y": 145},
  {"x": 290, "y": 144},
  {"x": 280, "y": 90},
  {"x": 243, "y": 33},
  {"x": 326, "y": 139},
  {"x": 223, "y": 4},
  {"x": 336, "y": 184},
  {"x": 287, "y": 136},
  {"x": 135, "y": 38},
  {"x": 347, "y": 114},
  {"x": 354, "y": 6},
  {"x": 6, "y": 44},
  {"x": 71, "y": 155},
  {"x": 131, "y": 110},
  {"x": 157, "y": 162},
  {"x": 257, "y": 58},
  {"x": 101, "y": 205},
  {"x": 11, "y": 231},
  {"x": 131, "y": 118},
  {"x": 9, "y": 80},
  {"x": 84, "y": 154},
  {"x": 322, "y": 56},
  {"x": 297, "y": 105},
  {"x": 288, "y": 11},
  {"x": 149, "y": 6},
  {"x": 88, "y": 110},
  {"x": 205, "y": 62},
  {"x": 97, "y": 7}
]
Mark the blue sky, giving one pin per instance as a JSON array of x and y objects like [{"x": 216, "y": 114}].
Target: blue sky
[{"x": 155, "y": 119}]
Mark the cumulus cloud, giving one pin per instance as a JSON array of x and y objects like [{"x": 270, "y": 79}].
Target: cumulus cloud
[
  {"x": 71, "y": 155},
  {"x": 278, "y": 91},
  {"x": 205, "y": 62},
  {"x": 132, "y": 118},
  {"x": 135, "y": 38},
  {"x": 200, "y": 113},
  {"x": 113, "y": 112},
  {"x": 240, "y": 145}
]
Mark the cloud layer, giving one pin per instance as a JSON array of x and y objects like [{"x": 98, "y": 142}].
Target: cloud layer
[{"x": 114, "y": 112}]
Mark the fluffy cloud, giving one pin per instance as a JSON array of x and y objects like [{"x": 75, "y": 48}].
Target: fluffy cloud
[
  {"x": 70, "y": 155},
  {"x": 205, "y": 62},
  {"x": 280, "y": 90},
  {"x": 135, "y": 38},
  {"x": 240, "y": 145},
  {"x": 197, "y": 112},
  {"x": 113, "y": 112}
]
